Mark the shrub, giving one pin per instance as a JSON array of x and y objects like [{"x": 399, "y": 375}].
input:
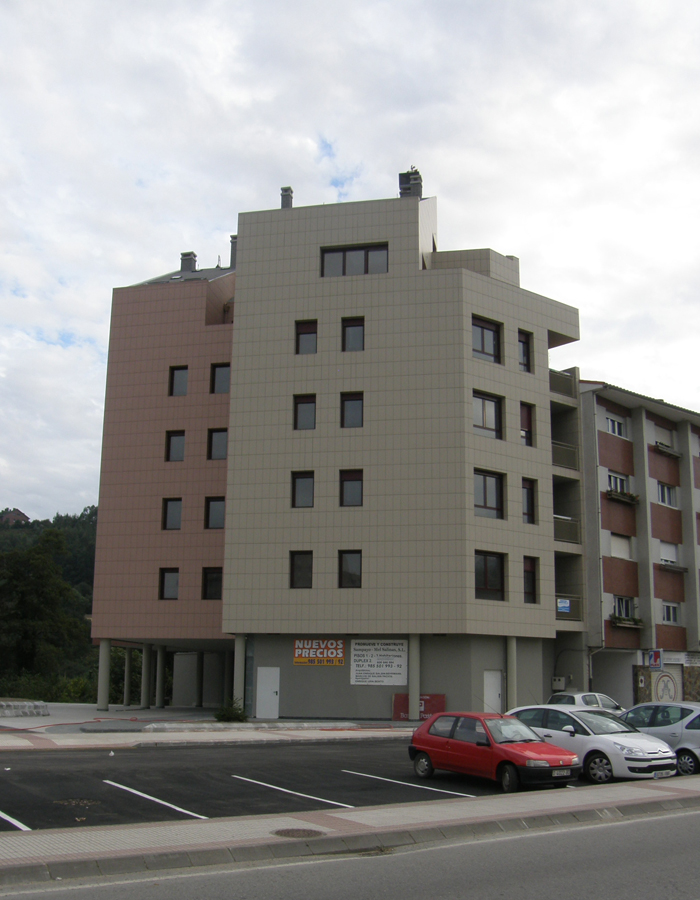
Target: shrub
[{"x": 234, "y": 712}]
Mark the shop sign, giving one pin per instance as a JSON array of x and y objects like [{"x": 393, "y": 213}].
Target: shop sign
[
  {"x": 692, "y": 659},
  {"x": 656, "y": 659},
  {"x": 319, "y": 652},
  {"x": 429, "y": 704},
  {"x": 379, "y": 662},
  {"x": 563, "y": 605}
]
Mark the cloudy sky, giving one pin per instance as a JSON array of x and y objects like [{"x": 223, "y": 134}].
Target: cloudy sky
[{"x": 564, "y": 133}]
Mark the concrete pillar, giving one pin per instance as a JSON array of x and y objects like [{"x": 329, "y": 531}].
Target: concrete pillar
[
  {"x": 199, "y": 684},
  {"x": 414, "y": 677},
  {"x": 511, "y": 672},
  {"x": 239, "y": 669},
  {"x": 146, "y": 676},
  {"x": 103, "y": 674},
  {"x": 228, "y": 676},
  {"x": 127, "y": 677},
  {"x": 160, "y": 676}
]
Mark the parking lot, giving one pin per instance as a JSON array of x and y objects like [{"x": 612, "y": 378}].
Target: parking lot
[{"x": 60, "y": 789}]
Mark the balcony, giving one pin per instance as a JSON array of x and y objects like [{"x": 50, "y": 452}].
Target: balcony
[
  {"x": 569, "y": 607},
  {"x": 564, "y": 455},
  {"x": 562, "y": 383},
  {"x": 623, "y": 497},
  {"x": 567, "y": 529}
]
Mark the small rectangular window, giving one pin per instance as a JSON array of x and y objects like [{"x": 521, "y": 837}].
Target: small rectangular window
[
  {"x": 302, "y": 489},
  {"x": 663, "y": 435},
  {"x": 530, "y": 579},
  {"x": 304, "y": 412},
  {"x": 487, "y": 415},
  {"x": 372, "y": 260},
  {"x": 214, "y": 512},
  {"x": 624, "y": 607},
  {"x": 177, "y": 384},
  {"x": 489, "y": 575},
  {"x": 615, "y": 426},
  {"x": 486, "y": 340},
  {"x": 306, "y": 333},
  {"x": 351, "y": 411},
  {"x": 618, "y": 483},
  {"x": 526, "y": 429},
  {"x": 217, "y": 443},
  {"x": 169, "y": 584},
  {"x": 351, "y": 487},
  {"x": 300, "y": 568},
  {"x": 667, "y": 494},
  {"x": 353, "y": 335},
  {"x": 172, "y": 514},
  {"x": 528, "y": 501},
  {"x": 212, "y": 583},
  {"x": 350, "y": 568},
  {"x": 488, "y": 495},
  {"x": 668, "y": 553},
  {"x": 525, "y": 351},
  {"x": 174, "y": 446},
  {"x": 670, "y": 613},
  {"x": 620, "y": 546},
  {"x": 220, "y": 378}
]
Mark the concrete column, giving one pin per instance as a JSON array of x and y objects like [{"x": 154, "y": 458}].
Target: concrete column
[
  {"x": 239, "y": 669},
  {"x": 146, "y": 676},
  {"x": 228, "y": 676},
  {"x": 103, "y": 674},
  {"x": 511, "y": 672},
  {"x": 414, "y": 677},
  {"x": 160, "y": 677},
  {"x": 127, "y": 677},
  {"x": 199, "y": 684}
]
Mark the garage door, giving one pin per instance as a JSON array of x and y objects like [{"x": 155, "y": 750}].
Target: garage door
[{"x": 667, "y": 685}]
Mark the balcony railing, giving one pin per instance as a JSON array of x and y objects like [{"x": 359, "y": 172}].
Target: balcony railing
[
  {"x": 569, "y": 607},
  {"x": 567, "y": 529},
  {"x": 562, "y": 383},
  {"x": 565, "y": 455}
]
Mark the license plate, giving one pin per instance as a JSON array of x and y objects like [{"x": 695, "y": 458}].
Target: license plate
[
  {"x": 558, "y": 773},
  {"x": 666, "y": 774}
]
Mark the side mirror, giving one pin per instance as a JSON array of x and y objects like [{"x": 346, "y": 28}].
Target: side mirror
[
  {"x": 483, "y": 741},
  {"x": 569, "y": 729}
]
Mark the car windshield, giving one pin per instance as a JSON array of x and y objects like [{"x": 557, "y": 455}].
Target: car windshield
[
  {"x": 510, "y": 731},
  {"x": 566, "y": 699},
  {"x": 601, "y": 722}
]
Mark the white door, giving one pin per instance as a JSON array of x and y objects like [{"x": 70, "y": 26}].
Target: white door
[
  {"x": 493, "y": 681},
  {"x": 267, "y": 693}
]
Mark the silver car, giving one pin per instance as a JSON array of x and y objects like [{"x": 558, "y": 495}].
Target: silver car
[
  {"x": 678, "y": 724},
  {"x": 586, "y": 698}
]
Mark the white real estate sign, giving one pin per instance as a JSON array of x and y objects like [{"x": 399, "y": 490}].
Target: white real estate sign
[{"x": 379, "y": 662}]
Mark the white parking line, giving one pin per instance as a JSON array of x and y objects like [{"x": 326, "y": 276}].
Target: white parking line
[
  {"x": 123, "y": 787},
  {"x": 423, "y": 787},
  {"x": 296, "y": 793},
  {"x": 14, "y": 822}
]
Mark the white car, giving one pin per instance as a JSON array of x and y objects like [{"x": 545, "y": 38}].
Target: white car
[
  {"x": 586, "y": 698},
  {"x": 607, "y": 746},
  {"x": 676, "y": 723}
]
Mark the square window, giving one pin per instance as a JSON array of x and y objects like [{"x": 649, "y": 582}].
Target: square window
[
  {"x": 668, "y": 553},
  {"x": 663, "y": 436},
  {"x": 172, "y": 514},
  {"x": 624, "y": 607},
  {"x": 174, "y": 446},
  {"x": 350, "y": 568},
  {"x": 488, "y": 495},
  {"x": 351, "y": 410},
  {"x": 302, "y": 489},
  {"x": 528, "y": 501},
  {"x": 177, "y": 384},
  {"x": 615, "y": 426},
  {"x": 305, "y": 412},
  {"x": 169, "y": 584},
  {"x": 353, "y": 335},
  {"x": 306, "y": 333},
  {"x": 530, "y": 579},
  {"x": 525, "y": 351},
  {"x": 486, "y": 340},
  {"x": 217, "y": 443},
  {"x": 618, "y": 483},
  {"x": 489, "y": 575},
  {"x": 620, "y": 546},
  {"x": 667, "y": 494},
  {"x": 670, "y": 613},
  {"x": 300, "y": 568},
  {"x": 351, "y": 488},
  {"x": 526, "y": 430},
  {"x": 487, "y": 415},
  {"x": 214, "y": 512},
  {"x": 212, "y": 583},
  {"x": 220, "y": 378}
]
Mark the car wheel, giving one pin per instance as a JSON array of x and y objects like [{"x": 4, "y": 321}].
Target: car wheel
[
  {"x": 687, "y": 763},
  {"x": 509, "y": 779},
  {"x": 422, "y": 766},
  {"x": 598, "y": 768}
]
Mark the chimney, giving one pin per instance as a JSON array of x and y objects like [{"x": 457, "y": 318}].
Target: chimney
[
  {"x": 410, "y": 183},
  {"x": 234, "y": 244},
  {"x": 188, "y": 262},
  {"x": 287, "y": 194}
]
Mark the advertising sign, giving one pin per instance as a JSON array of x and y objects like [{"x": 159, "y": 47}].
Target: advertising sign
[
  {"x": 429, "y": 704},
  {"x": 379, "y": 662},
  {"x": 319, "y": 652},
  {"x": 656, "y": 659},
  {"x": 563, "y": 605}
]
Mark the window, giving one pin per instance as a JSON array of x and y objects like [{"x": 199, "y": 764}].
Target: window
[
  {"x": 351, "y": 410},
  {"x": 668, "y": 553},
  {"x": 530, "y": 579},
  {"x": 670, "y": 613},
  {"x": 618, "y": 483},
  {"x": 373, "y": 260},
  {"x": 302, "y": 489},
  {"x": 663, "y": 436},
  {"x": 350, "y": 568},
  {"x": 525, "y": 351},
  {"x": 615, "y": 426},
  {"x": 487, "y": 415},
  {"x": 177, "y": 386},
  {"x": 620, "y": 546},
  {"x": 442, "y": 727},
  {"x": 351, "y": 488},
  {"x": 488, "y": 495},
  {"x": 174, "y": 446},
  {"x": 214, "y": 512},
  {"x": 217, "y": 443},
  {"x": 306, "y": 333},
  {"x": 172, "y": 514},
  {"x": 220, "y": 378},
  {"x": 528, "y": 501},
  {"x": 624, "y": 607},
  {"x": 353, "y": 335},
  {"x": 486, "y": 340},
  {"x": 305, "y": 412},
  {"x": 489, "y": 576},
  {"x": 667, "y": 494},
  {"x": 212, "y": 583},
  {"x": 169, "y": 584},
  {"x": 301, "y": 564},
  {"x": 526, "y": 417}
]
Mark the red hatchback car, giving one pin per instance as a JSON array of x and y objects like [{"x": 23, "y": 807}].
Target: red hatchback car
[{"x": 501, "y": 748}]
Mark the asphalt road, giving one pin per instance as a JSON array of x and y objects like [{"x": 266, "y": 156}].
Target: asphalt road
[{"x": 60, "y": 789}]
